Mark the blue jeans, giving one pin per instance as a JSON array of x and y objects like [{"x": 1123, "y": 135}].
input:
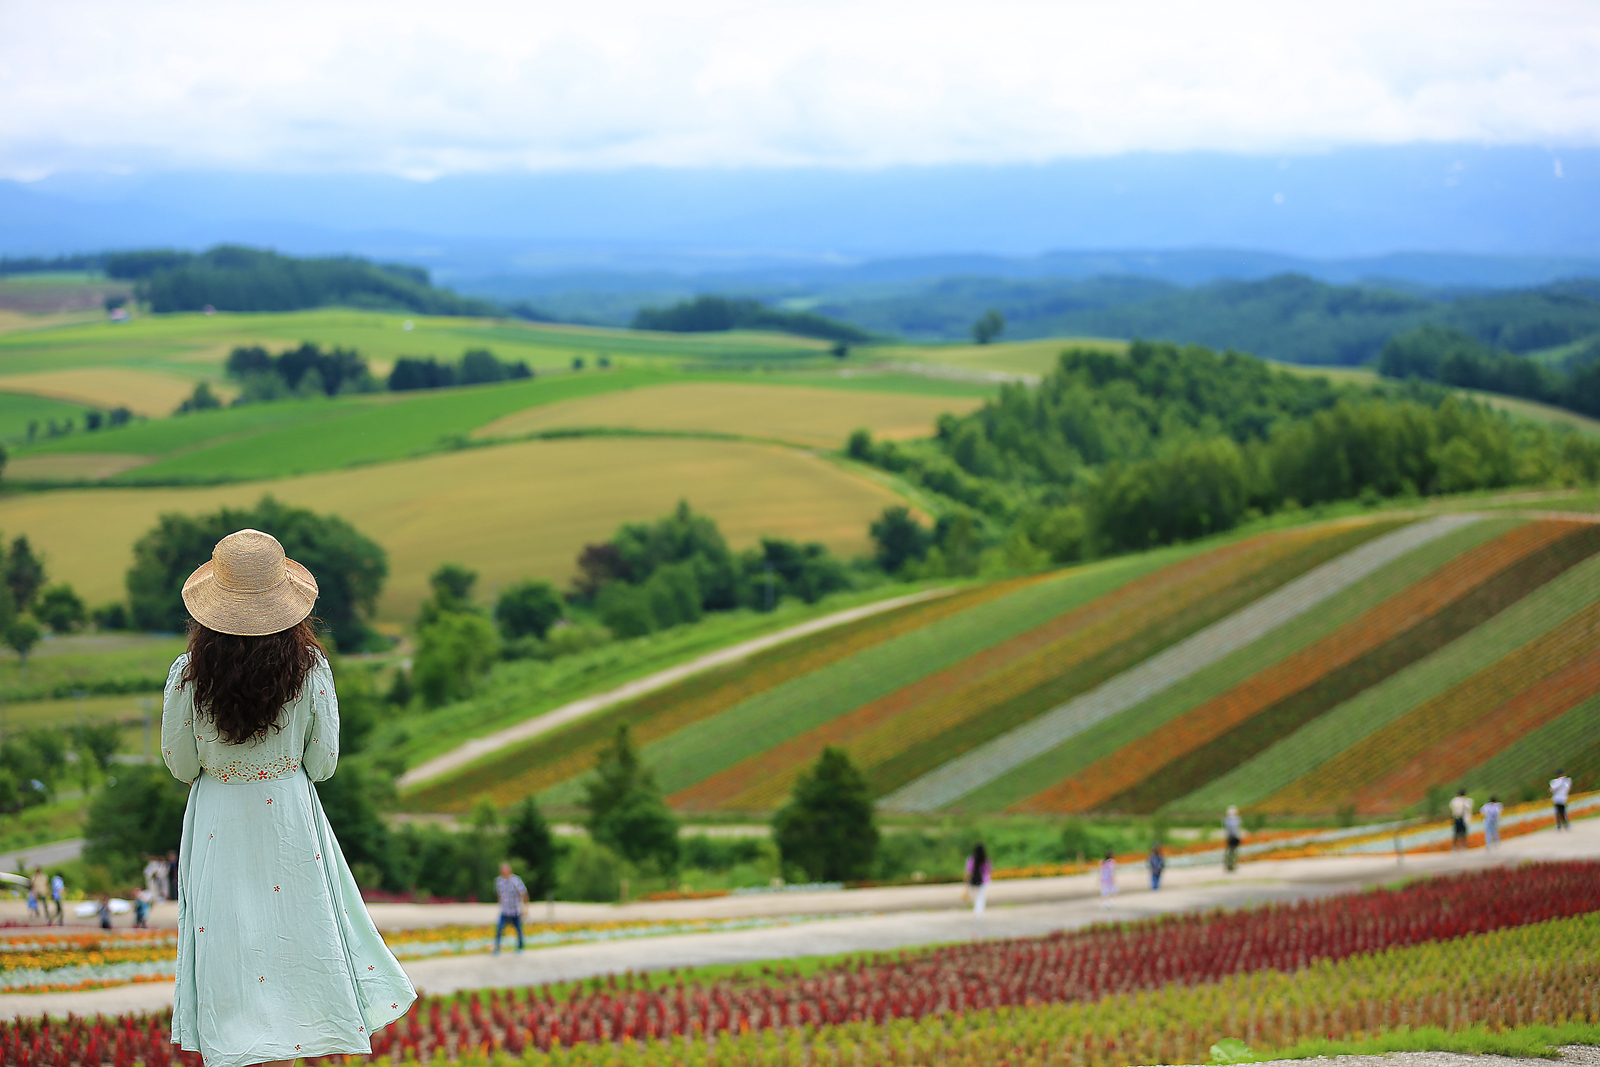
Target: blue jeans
[{"x": 500, "y": 927}]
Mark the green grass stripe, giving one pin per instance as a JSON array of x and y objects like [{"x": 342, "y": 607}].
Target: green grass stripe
[
  {"x": 801, "y": 704},
  {"x": 1522, "y": 770},
  {"x": 1282, "y": 717},
  {"x": 383, "y": 428},
  {"x": 1102, "y": 739},
  {"x": 1161, "y": 630},
  {"x": 721, "y": 684},
  {"x": 1308, "y": 748}
]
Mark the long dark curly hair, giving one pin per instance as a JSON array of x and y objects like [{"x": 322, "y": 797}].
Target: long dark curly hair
[{"x": 242, "y": 683}]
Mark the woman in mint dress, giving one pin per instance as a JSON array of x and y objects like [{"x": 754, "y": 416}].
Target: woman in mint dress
[{"x": 277, "y": 956}]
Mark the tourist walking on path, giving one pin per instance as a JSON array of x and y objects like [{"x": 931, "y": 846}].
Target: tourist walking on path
[
  {"x": 1491, "y": 813},
  {"x": 103, "y": 909},
  {"x": 1560, "y": 786},
  {"x": 979, "y": 870},
  {"x": 141, "y": 907},
  {"x": 1460, "y": 814},
  {"x": 58, "y": 890},
  {"x": 38, "y": 894},
  {"x": 277, "y": 957},
  {"x": 1234, "y": 829},
  {"x": 513, "y": 904},
  {"x": 172, "y": 874},
  {"x": 1108, "y": 879},
  {"x": 1158, "y": 863},
  {"x": 155, "y": 877}
]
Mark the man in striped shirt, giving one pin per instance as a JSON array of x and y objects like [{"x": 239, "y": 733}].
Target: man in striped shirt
[{"x": 513, "y": 902}]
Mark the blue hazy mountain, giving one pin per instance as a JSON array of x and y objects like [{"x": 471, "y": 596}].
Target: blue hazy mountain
[{"x": 1425, "y": 214}]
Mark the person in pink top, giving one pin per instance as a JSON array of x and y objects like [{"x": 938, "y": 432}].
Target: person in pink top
[
  {"x": 1108, "y": 879},
  {"x": 979, "y": 870}
]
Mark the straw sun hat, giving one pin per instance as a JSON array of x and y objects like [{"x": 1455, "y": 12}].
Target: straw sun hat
[{"x": 250, "y": 588}]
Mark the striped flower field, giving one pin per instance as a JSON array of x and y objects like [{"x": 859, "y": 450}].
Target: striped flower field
[
  {"x": 1304, "y": 670},
  {"x": 1213, "y": 737}
]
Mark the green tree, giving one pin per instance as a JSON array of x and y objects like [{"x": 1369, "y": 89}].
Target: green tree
[
  {"x": 97, "y": 742},
  {"x": 20, "y": 636},
  {"x": 61, "y": 609},
  {"x": 990, "y": 324},
  {"x": 140, "y": 815},
  {"x": 202, "y": 399},
  {"x": 453, "y": 652},
  {"x": 530, "y": 842},
  {"x": 452, "y": 586},
  {"x": 828, "y": 828},
  {"x": 900, "y": 538},
  {"x": 25, "y": 574},
  {"x": 626, "y": 811},
  {"x": 349, "y": 567},
  {"x": 528, "y": 609}
]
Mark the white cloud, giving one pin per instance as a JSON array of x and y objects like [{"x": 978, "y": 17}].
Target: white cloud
[{"x": 423, "y": 89}]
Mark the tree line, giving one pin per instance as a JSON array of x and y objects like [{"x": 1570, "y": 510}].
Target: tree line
[
  {"x": 713, "y": 314},
  {"x": 1452, "y": 357},
  {"x": 1113, "y": 453},
  {"x": 310, "y": 371},
  {"x": 236, "y": 278}
]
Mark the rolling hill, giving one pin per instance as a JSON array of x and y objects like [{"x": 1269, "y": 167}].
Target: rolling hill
[{"x": 1353, "y": 665}]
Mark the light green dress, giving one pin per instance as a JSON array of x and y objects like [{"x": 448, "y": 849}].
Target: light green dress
[{"x": 277, "y": 956}]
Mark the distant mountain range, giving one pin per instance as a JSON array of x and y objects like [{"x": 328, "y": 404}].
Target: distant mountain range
[{"x": 1341, "y": 215}]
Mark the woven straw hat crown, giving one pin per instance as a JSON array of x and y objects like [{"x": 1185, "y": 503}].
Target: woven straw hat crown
[{"x": 249, "y": 587}]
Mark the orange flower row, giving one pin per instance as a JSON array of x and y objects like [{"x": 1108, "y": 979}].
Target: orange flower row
[
  {"x": 1458, "y": 708},
  {"x": 881, "y": 728},
  {"x": 1146, "y": 756}
]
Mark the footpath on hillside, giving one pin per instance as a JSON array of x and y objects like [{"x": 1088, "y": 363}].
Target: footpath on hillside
[{"x": 860, "y": 919}]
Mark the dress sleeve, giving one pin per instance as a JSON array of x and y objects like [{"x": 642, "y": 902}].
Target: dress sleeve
[
  {"x": 178, "y": 745},
  {"x": 322, "y": 740}
]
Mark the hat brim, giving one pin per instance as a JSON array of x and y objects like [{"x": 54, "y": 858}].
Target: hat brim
[{"x": 241, "y": 614}]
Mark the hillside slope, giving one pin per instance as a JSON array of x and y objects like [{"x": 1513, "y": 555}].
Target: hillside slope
[{"x": 1304, "y": 670}]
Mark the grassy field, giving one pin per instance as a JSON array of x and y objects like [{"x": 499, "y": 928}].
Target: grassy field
[
  {"x": 803, "y": 415},
  {"x": 194, "y": 346},
  {"x": 509, "y": 511}
]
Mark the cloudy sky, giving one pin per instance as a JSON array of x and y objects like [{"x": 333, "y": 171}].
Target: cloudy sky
[{"x": 424, "y": 89}]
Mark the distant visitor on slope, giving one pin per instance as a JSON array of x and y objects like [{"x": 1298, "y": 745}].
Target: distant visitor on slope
[
  {"x": 513, "y": 896},
  {"x": 1460, "y": 814},
  {"x": 979, "y": 870},
  {"x": 1233, "y": 827},
  {"x": 1491, "y": 813},
  {"x": 1108, "y": 879},
  {"x": 1158, "y": 863},
  {"x": 277, "y": 957},
  {"x": 1560, "y": 786}
]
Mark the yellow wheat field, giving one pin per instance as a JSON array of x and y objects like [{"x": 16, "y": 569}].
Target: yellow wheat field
[
  {"x": 143, "y": 392},
  {"x": 802, "y": 415},
  {"x": 507, "y": 511}
]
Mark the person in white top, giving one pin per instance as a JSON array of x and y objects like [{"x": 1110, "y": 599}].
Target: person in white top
[
  {"x": 1460, "y": 812},
  {"x": 1560, "y": 786},
  {"x": 1491, "y": 822}
]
